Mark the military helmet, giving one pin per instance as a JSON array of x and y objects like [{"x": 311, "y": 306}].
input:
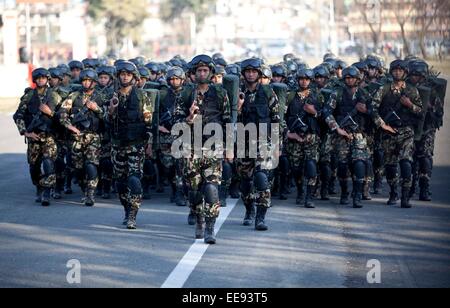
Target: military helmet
[
  {"x": 219, "y": 70},
  {"x": 329, "y": 64},
  {"x": 217, "y": 55},
  {"x": 305, "y": 74},
  {"x": 175, "y": 72},
  {"x": 233, "y": 69},
  {"x": 220, "y": 62},
  {"x": 361, "y": 66},
  {"x": 288, "y": 57},
  {"x": 373, "y": 62},
  {"x": 129, "y": 67},
  {"x": 163, "y": 68},
  {"x": 56, "y": 73},
  {"x": 139, "y": 61},
  {"x": 279, "y": 70},
  {"x": 419, "y": 68},
  {"x": 89, "y": 73},
  {"x": 76, "y": 65},
  {"x": 329, "y": 55},
  {"x": 252, "y": 63},
  {"x": 176, "y": 62},
  {"x": 65, "y": 69},
  {"x": 144, "y": 72},
  {"x": 90, "y": 63},
  {"x": 266, "y": 72},
  {"x": 118, "y": 61},
  {"x": 340, "y": 65},
  {"x": 107, "y": 70},
  {"x": 40, "y": 72},
  {"x": 351, "y": 72},
  {"x": 398, "y": 64},
  {"x": 153, "y": 68},
  {"x": 291, "y": 67},
  {"x": 202, "y": 60},
  {"x": 321, "y": 71}
]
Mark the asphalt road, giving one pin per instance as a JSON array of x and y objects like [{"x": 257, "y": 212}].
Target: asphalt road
[{"x": 326, "y": 247}]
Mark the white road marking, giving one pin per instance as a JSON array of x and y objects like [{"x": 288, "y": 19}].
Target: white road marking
[{"x": 186, "y": 266}]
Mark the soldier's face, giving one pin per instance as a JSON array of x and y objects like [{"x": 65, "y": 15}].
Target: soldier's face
[
  {"x": 304, "y": 83},
  {"x": 41, "y": 82},
  {"x": 153, "y": 76},
  {"x": 415, "y": 79},
  {"x": 321, "y": 81},
  {"x": 265, "y": 80},
  {"x": 251, "y": 75},
  {"x": 351, "y": 81},
  {"x": 339, "y": 73},
  {"x": 88, "y": 83},
  {"x": 66, "y": 80},
  {"x": 175, "y": 82},
  {"x": 125, "y": 77},
  {"x": 54, "y": 82},
  {"x": 277, "y": 79},
  {"x": 104, "y": 80},
  {"x": 217, "y": 79},
  {"x": 142, "y": 82},
  {"x": 202, "y": 74},
  {"x": 76, "y": 73},
  {"x": 398, "y": 74},
  {"x": 373, "y": 72}
]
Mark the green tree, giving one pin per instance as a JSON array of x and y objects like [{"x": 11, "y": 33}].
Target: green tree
[
  {"x": 171, "y": 9},
  {"x": 121, "y": 19}
]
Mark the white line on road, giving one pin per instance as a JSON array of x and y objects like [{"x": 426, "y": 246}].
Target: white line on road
[{"x": 186, "y": 266}]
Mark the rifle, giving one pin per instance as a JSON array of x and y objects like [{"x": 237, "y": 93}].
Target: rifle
[
  {"x": 349, "y": 123},
  {"x": 393, "y": 119},
  {"x": 299, "y": 126},
  {"x": 37, "y": 124}
]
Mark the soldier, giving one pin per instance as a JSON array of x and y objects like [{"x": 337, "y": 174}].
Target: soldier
[
  {"x": 75, "y": 68},
  {"x": 219, "y": 73},
  {"x": 154, "y": 69},
  {"x": 279, "y": 74},
  {"x": 129, "y": 117},
  {"x": 144, "y": 74},
  {"x": 424, "y": 148},
  {"x": 398, "y": 108},
  {"x": 82, "y": 113},
  {"x": 267, "y": 76},
  {"x": 346, "y": 113},
  {"x": 34, "y": 119},
  {"x": 203, "y": 175},
  {"x": 303, "y": 135},
  {"x": 257, "y": 105},
  {"x": 172, "y": 102}
]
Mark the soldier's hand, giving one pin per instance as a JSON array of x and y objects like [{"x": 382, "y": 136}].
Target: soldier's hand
[
  {"x": 361, "y": 107},
  {"x": 92, "y": 105},
  {"x": 74, "y": 130},
  {"x": 294, "y": 136},
  {"x": 343, "y": 133},
  {"x": 389, "y": 129},
  {"x": 164, "y": 130},
  {"x": 406, "y": 102},
  {"x": 194, "y": 109},
  {"x": 311, "y": 109},
  {"x": 113, "y": 105},
  {"x": 45, "y": 110},
  {"x": 32, "y": 136},
  {"x": 149, "y": 150}
]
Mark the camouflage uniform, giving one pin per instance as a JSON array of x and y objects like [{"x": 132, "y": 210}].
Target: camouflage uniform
[
  {"x": 398, "y": 148},
  {"x": 45, "y": 150},
  {"x": 85, "y": 148}
]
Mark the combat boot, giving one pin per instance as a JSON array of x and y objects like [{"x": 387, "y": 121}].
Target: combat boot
[
  {"x": 58, "y": 189},
  {"x": 68, "y": 184},
  {"x": 45, "y": 201},
  {"x": 234, "y": 190},
  {"x": 192, "y": 218},
  {"x": 344, "y": 193},
  {"x": 324, "y": 192},
  {"x": 223, "y": 194},
  {"x": 424, "y": 190},
  {"x": 260, "y": 224},
  {"x": 366, "y": 192},
  {"x": 332, "y": 186},
  {"x": 283, "y": 190},
  {"x": 180, "y": 200},
  {"x": 377, "y": 185},
  {"x": 210, "y": 237},
  {"x": 39, "y": 191},
  {"x": 393, "y": 196},
  {"x": 358, "y": 195},
  {"x": 300, "y": 194},
  {"x": 200, "y": 227},
  {"x": 131, "y": 224},
  {"x": 90, "y": 199},
  {"x": 405, "y": 198},
  {"x": 308, "y": 199},
  {"x": 249, "y": 214}
]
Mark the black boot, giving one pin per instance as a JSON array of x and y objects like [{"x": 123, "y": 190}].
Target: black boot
[
  {"x": 45, "y": 201},
  {"x": 39, "y": 191},
  {"x": 358, "y": 194},
  {"x": 424, "y": 190},
  {"x": 366, "y": 191},
  {"x": 283, "y": 187},
  {"x": 146, "y": 189},
  {"x": 260, "y": 224},
  {"x": 131, "y": 224},
  {"x": 173, "y": 192},
  {"x": 405, "y": 198},
  {"x": 180, "y": 199},
  {"x": 249, "y": 214},
  {"x": 223, "y": 194},
  {"x": 344, "y": 193},
  {"x": 300, "y": 193},
  {"x": 377, "y": 186},
  {"x": 210, "y": 237},
  {"x": 309, "y": 200},
  {"x": 68, "y": 184},
  {"x": 192, "y": 218},
  {"x": 127, "y": 214},
  {"x": 234, "y": 190},
  {"x": 393, "y": 196},
  {"x": 89, "y": 199},
  {"x": 106, "y": 189},
  {"x": 332, "y": 186},
  {"x": 58, "y": 189},
  {"x": 200, "y": 227}
]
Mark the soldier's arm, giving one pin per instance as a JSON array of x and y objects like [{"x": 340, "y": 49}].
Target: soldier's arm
[
  {"x": 19, "y": 115},
  {"x": 417, "y": 102},
  {"x": 274, "y": 106},
  {"x": 376, "y": 103},
  {"x": 226, "y": 109},
  {"x": 328, "y": 110},
  {"x": 64, "y": 112},
  {"x": 148, "y": 117}
]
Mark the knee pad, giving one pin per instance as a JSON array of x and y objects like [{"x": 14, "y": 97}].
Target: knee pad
[
  {"x": 343, "y": 170},
  {"x": 91, "y": 171},
  {"x": 195, "y": 198},
  {"x": 211, "y": 193},
  {"x": 121, "y": 188},
  {"x": 246, "y": 186},
  {"x": 426, "y": 165},
  {"x": 325, "y": 171},
  {"x": 359, "y": 170},
  {"x": 283, "y": 167},
  {"x": 49, "y": 166},
  {"x": 134, "y": 185},
  {"x": 311, "y": 169},
  {"x": 261, "y": 181},
  {"x": 149, "y": 169},
  {"x": 369, "y": 168},
  {"x": 378, "y": 158},
  {"x": 227, "y": 172},
  {"x": 406, "y": 169},
  {"x": 60, "y": 165},
  {"x": 391, "y": 172}
]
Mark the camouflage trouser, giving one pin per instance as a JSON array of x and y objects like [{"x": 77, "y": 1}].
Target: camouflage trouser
[
  {"x": 397, "y": 148},
  {"x": 60, "y": 164},
  {"x": 198, "y": 173},
  {"x": 128, "y": 162},
  {"x": 350, "y": 151},
  {"x": 38, "y": 151},
  {"x": 86, "y": 150},
  {"x": 300, "y": 153},
  {"x": 370, "y": 148},
  {"x": 378, "y": 161},
  {"x": 247, "y": 168},
  {"x": 424, "y": 149},
  {"x": 105, "y": 170},
  {"x": 327, "y": 148}
]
